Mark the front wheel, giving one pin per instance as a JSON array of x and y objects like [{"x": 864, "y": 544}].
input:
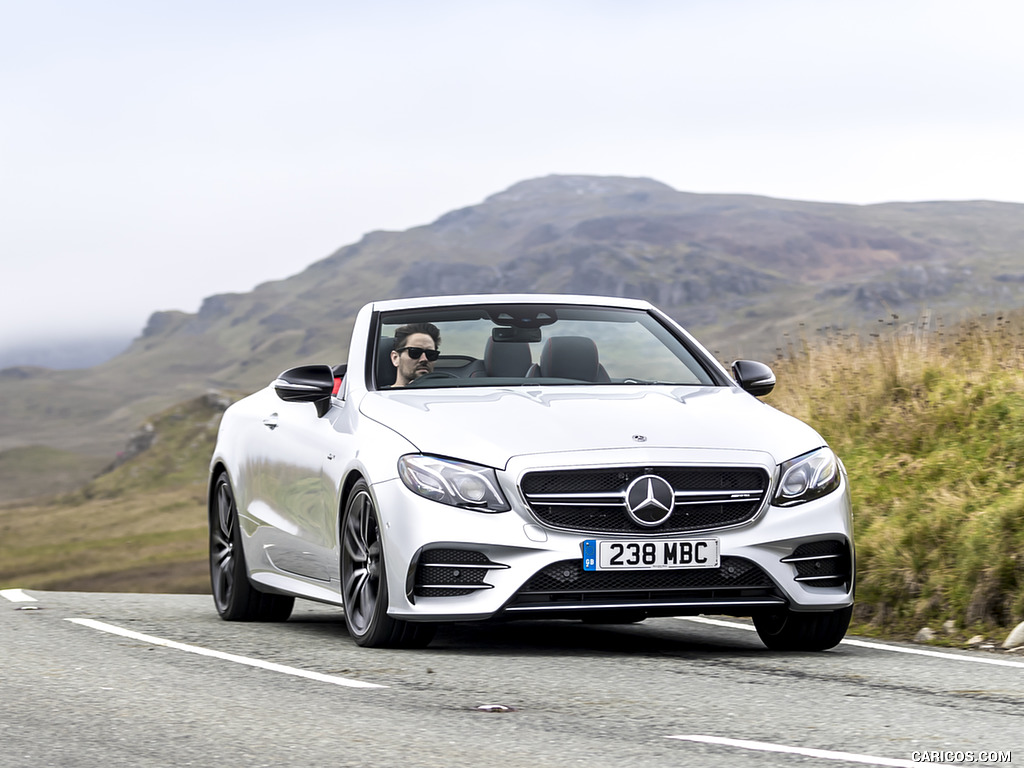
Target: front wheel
[
  {"x": 234, "y": 595},
  {"x": 787, "y": 630},
  {"x": 364, "y": 582}
]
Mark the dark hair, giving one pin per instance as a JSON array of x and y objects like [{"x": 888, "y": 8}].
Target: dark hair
[{"x": 401, "y": 334}]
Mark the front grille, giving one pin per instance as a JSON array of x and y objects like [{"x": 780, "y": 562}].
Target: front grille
[
  {"x": 822, "y": 563},
  {"x": 594, "y": 500},
  {"x": 452, "y": 572},
  {"x": 567, "y": 582}
]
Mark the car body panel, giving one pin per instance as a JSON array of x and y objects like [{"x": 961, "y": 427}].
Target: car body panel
[
  {"x": 493, "y": 425},
  {"x": 291, "y": 471}
]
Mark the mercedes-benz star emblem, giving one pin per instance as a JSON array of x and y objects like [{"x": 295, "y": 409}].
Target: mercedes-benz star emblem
[{"x": 650, "y": 500}]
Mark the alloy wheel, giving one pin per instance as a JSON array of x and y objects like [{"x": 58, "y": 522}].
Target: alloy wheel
[
  {"x": 362, "y": 563},
  {"x": 222, "y": 547}
]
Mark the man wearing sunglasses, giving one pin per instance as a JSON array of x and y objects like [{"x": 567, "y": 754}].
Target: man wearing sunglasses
[{"x": 416, "y": 349}]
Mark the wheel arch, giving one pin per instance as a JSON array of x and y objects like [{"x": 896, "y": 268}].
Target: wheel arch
[
  {"x": 216, "y": 471},
  {"x": 347, "y": 485},
  {"x": 351, "y": 479}
]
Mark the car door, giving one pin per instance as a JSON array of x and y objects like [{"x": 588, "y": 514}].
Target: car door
[{"x": 297, "y": 505}]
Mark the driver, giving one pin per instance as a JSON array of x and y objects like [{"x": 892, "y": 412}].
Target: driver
[{"x": 416, "y": 349}]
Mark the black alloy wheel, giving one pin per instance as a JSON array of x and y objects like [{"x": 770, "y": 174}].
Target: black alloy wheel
[
  {"x": 234, "y": 595},
  {"x": 364, "y": 584}
]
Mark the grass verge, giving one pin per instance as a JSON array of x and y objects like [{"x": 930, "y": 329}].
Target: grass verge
[{"x": 928, "y": 421}]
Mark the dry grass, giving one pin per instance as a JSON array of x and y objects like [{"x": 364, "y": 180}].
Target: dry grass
[{"x": 928, "y": 421}]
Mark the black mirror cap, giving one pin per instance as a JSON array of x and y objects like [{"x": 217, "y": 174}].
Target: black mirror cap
[
  {"x": 753, "y": 377},
  {"x": 510, "y": 333},
  {"x": 307, "y": 384}
]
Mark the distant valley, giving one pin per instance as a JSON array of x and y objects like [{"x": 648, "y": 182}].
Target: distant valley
[{"x": 64, "y": 352}]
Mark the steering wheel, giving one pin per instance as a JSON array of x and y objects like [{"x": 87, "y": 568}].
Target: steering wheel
[{"x": 432, "y": 376}]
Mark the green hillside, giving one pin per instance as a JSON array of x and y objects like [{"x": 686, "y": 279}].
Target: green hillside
[{"x": 140, "y": 527}]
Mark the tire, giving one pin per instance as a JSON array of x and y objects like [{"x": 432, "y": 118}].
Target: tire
[
  {"x": 791, "y": 631},
  {"x": 364, "y": 583},
  {"x": 234, "y": 595}
]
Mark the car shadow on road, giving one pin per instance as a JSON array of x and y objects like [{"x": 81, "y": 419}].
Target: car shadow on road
[{"x": 556, "y": 637}]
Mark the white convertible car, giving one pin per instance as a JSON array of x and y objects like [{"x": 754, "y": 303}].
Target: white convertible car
[{"x": 523, "y": 456}]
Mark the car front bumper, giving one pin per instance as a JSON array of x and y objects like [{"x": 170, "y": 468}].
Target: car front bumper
[{"x": 450, "y": 564}]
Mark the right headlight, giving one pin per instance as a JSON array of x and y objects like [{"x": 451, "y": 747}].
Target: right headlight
[
  {"x": 457, "y": 483},
  {"x": 807, "y": 477}
]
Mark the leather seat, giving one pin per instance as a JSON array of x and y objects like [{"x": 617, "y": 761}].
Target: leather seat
[
  {"x": 570, "y": 357},
  {"x": 506, "y": 359},
  {"x": 387, "y": 374}
]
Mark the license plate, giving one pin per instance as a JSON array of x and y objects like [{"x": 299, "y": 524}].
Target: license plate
[{"x": 600, "y": 555}]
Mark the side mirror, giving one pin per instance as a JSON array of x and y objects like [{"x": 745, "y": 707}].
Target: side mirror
[
  {"x": 307, "y": 384},
  {"x": 754, "y": 377}
]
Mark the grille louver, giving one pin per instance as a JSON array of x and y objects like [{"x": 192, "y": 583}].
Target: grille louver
[{"x": 594, "y": 500}]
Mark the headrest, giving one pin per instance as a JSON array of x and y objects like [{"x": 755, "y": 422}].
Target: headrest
[
  {"x": 570, "y": 357},
  {"x": 386, "y": 371},
  {"x": 507, "y": 358}
]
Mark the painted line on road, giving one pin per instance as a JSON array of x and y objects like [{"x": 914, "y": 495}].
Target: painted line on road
[
  {"x": 822, "y": 754},
  {"x": 17, "y": 596},
  {"x": 874, "y": 646},
  {"x": 268, "y": 665}
]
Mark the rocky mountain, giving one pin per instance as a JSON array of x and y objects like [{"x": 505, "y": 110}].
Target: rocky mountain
[{"x": 745, "y": 273}]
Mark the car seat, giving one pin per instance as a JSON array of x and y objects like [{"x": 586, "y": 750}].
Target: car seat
[
  {"x": 506, "y": 359},
  {"x": 569, "y": 357},
  {"x": 387, "y": 374}
]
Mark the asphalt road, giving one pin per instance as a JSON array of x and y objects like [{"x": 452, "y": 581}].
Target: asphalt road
[{"x": 160, "y": 680}]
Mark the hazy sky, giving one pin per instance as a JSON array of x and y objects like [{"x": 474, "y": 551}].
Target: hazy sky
[{"x": 154, "y": 153}]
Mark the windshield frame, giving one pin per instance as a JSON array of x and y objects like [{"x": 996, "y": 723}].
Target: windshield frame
[{"x": 537, "y": 315}]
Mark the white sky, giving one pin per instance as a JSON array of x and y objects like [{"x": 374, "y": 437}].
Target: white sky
[{"x": 154, "y": 153}]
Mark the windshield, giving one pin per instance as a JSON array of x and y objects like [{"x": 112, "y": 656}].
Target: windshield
[{"x": 528, "y": 345}]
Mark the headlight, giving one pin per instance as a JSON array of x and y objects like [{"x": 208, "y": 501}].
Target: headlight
[
  {"x": 807, "y": 477},
  {"x": 452, "y": 482}
]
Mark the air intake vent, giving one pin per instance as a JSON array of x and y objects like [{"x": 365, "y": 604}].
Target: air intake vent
[
  {"x": 822, "y": 563},
  {"x": 452, "y": 572}
]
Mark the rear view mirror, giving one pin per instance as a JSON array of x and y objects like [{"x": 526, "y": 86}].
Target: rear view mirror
[{"x": 514, "y": 334}]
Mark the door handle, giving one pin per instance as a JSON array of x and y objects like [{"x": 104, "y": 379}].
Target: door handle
[{"x": 271, "y": 421}]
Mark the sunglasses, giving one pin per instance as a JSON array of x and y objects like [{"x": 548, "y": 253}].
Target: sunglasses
[{"x": 415, "y": 352}]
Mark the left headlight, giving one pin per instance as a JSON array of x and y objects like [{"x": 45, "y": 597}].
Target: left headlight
[
  {"x": 807, "y": 477},
  {"x": 452, "y": 482}
]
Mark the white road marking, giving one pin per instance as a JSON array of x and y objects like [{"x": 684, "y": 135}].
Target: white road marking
[
  {"x": 269, "y": 665},
  {"x": 823, "y": 754},
  {"x": 935, "y": 654},
  {"x": 716, "y": 622},
  {"x": 16, "y": 596},
  {"x": 875, "y": 646}
]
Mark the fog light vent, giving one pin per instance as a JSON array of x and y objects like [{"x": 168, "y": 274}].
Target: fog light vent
[
  {"x": 822, "y": 563},
  {"x": 452, "y": 572}
]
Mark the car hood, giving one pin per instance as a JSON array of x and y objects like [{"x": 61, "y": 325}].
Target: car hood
[{"x": 491, "y": 426}]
